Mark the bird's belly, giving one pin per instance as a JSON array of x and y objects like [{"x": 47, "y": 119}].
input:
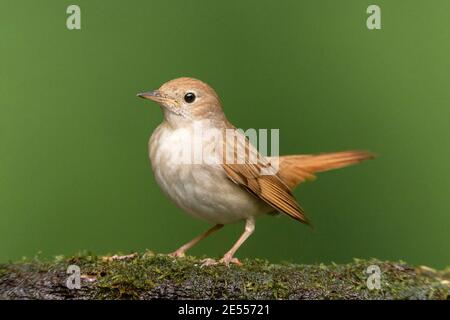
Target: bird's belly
[{"x": 202, "y": 190}]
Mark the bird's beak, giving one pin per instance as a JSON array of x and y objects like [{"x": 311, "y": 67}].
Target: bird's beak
[
  {"x": 159, "y": 97},
  {"x": 154, "y": 95}
]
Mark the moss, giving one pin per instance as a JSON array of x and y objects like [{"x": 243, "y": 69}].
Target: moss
[
  {"x": 148, "y": 276},
  {"x": 3, "y": 271}
]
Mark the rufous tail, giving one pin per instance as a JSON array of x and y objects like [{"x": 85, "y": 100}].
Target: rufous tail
[{"x": 295, "y": 169}]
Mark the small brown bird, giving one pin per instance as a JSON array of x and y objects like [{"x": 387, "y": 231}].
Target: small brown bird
[{"x": 216, "y": 189}]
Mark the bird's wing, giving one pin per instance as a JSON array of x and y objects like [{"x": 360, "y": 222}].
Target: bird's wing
[{"x": 245, "y": 166}]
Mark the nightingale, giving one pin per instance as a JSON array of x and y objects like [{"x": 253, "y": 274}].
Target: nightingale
[{"x": 225, "y": 189}]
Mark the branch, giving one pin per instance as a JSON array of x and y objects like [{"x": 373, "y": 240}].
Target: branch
[{"x": 150, "y": 276}]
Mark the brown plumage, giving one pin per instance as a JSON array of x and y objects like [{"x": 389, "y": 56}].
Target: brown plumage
[
  {"x": 276, "y": 189},
  {"x": 295, "y": 169},
  {"x": 271, "y": 188}
]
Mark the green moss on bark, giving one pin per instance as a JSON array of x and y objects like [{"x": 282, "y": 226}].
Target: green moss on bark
[{"x": 149, "y": 276}]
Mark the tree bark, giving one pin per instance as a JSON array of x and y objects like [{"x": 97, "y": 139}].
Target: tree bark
[{"x": 149, "y": 276}]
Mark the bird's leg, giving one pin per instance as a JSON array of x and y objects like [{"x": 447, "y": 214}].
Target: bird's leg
[
  {"x": 228, "y": 257},
  {"x": 181, "y": 251}
]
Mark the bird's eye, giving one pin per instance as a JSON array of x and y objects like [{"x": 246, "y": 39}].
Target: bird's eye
[{"x": 189, "y": 97}]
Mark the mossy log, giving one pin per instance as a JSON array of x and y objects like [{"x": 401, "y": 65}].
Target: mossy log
[{"x": 150, "y": 276}]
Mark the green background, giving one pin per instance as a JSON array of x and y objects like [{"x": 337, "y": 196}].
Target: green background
[{"x": 74, "y": 173}]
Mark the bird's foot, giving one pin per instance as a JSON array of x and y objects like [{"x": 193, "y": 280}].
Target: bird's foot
[
  {"x": 209, "y": 262},
  {"x": 226, "y": 260},
  {"x": 116, "y": 257},
  {"x": 178, "y": 254}
]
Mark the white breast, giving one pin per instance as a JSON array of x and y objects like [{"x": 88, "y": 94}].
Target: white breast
[{"x": 201, "y": 189}]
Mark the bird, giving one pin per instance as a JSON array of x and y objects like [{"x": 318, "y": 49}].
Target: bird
[{"x": 220, "y": 191}]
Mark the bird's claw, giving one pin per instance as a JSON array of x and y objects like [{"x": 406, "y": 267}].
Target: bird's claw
[
  {"x": 208, "y": 262},
  {"x": 117, "y": 257},
  {"x": 226, "y": 260},
  {"x": 177, "y": 254}
]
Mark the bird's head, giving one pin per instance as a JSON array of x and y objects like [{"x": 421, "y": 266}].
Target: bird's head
[{"x": 186, "y": 99}]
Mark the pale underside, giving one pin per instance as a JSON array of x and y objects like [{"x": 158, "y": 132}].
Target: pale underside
[{"x": 204, "y": 190}]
